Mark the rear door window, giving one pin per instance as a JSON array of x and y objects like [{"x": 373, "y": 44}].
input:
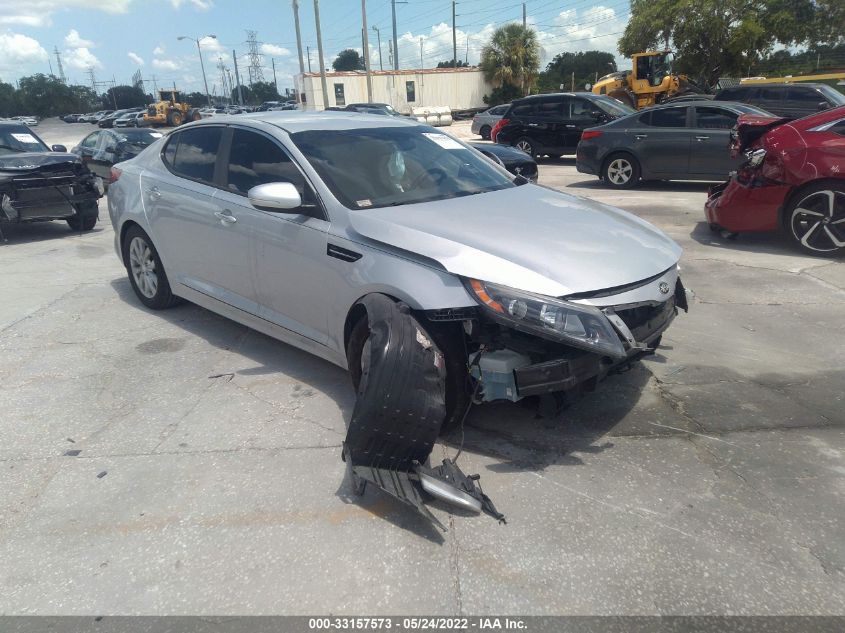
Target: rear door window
[
  {"x": 668, "y": 117},
  {"x": 804, "y": 96},
  {"x": 770, "y": 94},
  {"x": 524, "y": 109},
  {"x": 712, "y": 118},
  {"x": 194, "y": 153},
  {"x": 553, "y": 109}
]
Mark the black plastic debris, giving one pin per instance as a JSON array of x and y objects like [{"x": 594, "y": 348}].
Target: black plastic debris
[
  {"x": 102, "y": 474},
  {"x": 72, "y": 453},
  {"x": 398, "y": 414}
]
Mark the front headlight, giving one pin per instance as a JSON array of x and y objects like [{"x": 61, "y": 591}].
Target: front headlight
[{"x": 585, "y": 327}]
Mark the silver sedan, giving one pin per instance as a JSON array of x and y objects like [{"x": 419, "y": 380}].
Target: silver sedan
[
  {"x": 321, "y": 229},
  {"x": 483, "y": 122}
]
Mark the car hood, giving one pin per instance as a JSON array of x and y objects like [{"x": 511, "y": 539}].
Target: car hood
[
  {"x": 526, "y": 237},
  {"x": 25, "y": 161}
]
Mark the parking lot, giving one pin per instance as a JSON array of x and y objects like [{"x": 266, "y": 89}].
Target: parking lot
[{"x": 178, "y": 463}]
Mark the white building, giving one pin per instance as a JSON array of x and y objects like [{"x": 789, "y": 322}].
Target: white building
[{"x": 457, "y": 88}]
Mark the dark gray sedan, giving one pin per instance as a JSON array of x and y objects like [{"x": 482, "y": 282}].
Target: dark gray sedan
[{"x": 681, "y": 141}]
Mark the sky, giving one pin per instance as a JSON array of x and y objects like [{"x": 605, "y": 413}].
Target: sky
[{"x": 116, "y": 38}]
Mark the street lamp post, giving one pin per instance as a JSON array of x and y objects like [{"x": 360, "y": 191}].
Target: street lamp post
[
  {"x": 378, "y": 33},
  {"x": 202, "y": 65}
]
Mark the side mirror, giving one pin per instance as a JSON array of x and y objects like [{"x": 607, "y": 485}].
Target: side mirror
[
  {"x": 823, "y": 105},
  {"x": 275, "y": 196},
  {"x": 58, "y": 148}
]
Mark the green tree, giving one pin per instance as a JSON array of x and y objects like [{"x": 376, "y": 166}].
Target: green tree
[
  {"x": 450, "y": 63},
  {"x": 124, "y": 97},
  {"x": 512, "y": 57},
  {"x": 8, "y": 100},
  {"x": 245, "y": 91},
  {"x": 44, "y": 96},
  {"x": 586, "y": 65},
  {"x": 264, "y": 91},
  {"x": 714, "y": 38},
  {"x": 348, "y": 59},
  {"x": 84, "y": 99}
]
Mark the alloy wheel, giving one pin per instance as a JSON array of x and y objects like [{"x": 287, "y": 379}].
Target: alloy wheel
[
  {"x": 818, "y": 221},
  {"x": 620, "y": 171},
  {"x": 143, "y": 267},
  {"x": 525, "y": 146}
]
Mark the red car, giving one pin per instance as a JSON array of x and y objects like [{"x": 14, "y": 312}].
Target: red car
[{"x": 793, "y": 179}]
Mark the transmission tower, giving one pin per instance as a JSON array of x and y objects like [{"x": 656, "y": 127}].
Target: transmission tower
[
  {"x": 62, "y": 77},
  {"x": 227, "y": 91},
  {"x": 255, "y": 73},
  {"x": 93, "y": 78}
]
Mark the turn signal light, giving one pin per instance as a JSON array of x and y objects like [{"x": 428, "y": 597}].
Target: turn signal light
[
  {"x": 499, "y": 125},
  {"x": 588, "y": 134}
]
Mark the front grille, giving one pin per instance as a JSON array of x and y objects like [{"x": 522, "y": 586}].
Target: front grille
[
  {"x": 56, "y": 179},
  {"x": 641, "y": 315},
  {"x": 451, "y": 314}
]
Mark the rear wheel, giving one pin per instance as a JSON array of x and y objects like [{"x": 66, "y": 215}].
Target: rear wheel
[
  {"x": 146, "y": 272},
  {"x": 526, "y": 145},
  {"x": 174, "y": 118},
  {"x": 621, "y": 171},
  {"x": 485, "y": 132},
  {"x": 85, "y": 218},
  {"x": 815, "y": 219}
]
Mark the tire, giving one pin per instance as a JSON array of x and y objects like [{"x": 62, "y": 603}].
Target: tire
[
  {"x": 526, "y": 145},
  {"x": 484, "y": 132},
  {"x": 815, "y": 219},
  {"x": 194, "y": 115},
  {"x": 86, "y": 217},
  {"x": 174, "y": 118},
  {"x": 145, "y": 270},
  {"x": 621, "y": 171},
  {"x": 623, "y": 97},
  {"x": 457, "y": 394}
]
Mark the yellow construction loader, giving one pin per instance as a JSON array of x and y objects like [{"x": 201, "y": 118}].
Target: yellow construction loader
[
  {"x": 170, "y": 110},
  {"x": 650, "y": 81}
]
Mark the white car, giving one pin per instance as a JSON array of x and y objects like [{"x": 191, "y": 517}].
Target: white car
[{"x": 26, "y": 120}]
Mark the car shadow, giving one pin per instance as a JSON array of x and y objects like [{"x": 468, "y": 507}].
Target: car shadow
[
  {"x": 513, "y": 433},
  {"x": 769, "y": 242},
  {"x": 34, "y": 232},
  {"x": 692, "y": 186}
]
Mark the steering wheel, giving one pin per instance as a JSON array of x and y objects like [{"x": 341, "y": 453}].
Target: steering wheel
[{"x": 436, "y": 174}]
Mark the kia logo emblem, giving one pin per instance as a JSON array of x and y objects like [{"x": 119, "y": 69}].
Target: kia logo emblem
[{"x": 664, "y": 288}]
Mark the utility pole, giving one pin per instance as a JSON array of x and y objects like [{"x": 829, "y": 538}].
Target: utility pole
[
  {"x": 237, "y": 78},
  {"x": 380, "y": 61},
  {"x": 320, "y": 55},
  {"x": 422, "y": 77},
  {"x": 275, "y": 83},
  {"x": 155, "y": 88},
  {"x": 454, "y": 39},
  {"x": 395, "y": 41},
  {"x": 390, "y": 52},
  {"x": 524, "y": 17},
  {"x": 366, "y": 52},
  {"x": 298, "y": 48},
  {"x": 421, "y": 52},
  {"x": 308, "y": 48}
]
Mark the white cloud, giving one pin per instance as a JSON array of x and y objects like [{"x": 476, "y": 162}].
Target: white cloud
[
  {"x": 199, "y": 5},
  {"x": 37, "y": 13},
  {"x": 274, "y": 51},
  {"x": 165, "y": 64},
  {"x": 135, "y": 58},
  {"x": 73, "y": 40},
  {"x": 211, "y": 44},
  {"x": 159, "y": 50},
  {"x": 19, "y": 50},
  {"x": 81, "y": 58}
]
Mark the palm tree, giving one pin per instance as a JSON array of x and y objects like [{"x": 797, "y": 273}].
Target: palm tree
[{"x": 512, "y": 57}]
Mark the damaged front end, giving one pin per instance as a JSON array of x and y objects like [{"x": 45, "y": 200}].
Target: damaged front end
[
  {"x": 398, "y": 414},
  {"x": 421, "y": 371},
  {"x": 34, "y": 188}
]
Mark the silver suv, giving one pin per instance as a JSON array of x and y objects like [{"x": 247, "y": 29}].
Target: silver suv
[{"x": 378, "y": 243}]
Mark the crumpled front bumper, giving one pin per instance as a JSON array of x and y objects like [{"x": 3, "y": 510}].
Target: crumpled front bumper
[
  {"x": 739, "y": 207},
  {"x": 48, "y": 198}
]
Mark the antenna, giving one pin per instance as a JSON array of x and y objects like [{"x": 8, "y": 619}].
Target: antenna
[{"x": 255, "y": 72}]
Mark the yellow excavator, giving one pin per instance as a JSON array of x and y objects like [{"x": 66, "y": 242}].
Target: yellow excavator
[
  {"x": 170, "y": 110},
  {"x": 650, "y": 81}
]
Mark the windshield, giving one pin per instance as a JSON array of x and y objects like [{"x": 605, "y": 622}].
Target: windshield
[
  {"x": 380, "y": 167},
  {"x": 19, "y": 138},
  {"x": 140, "y": 138},
  {"x": 612, "y": 106},
  {"x": 836, "y": 97}
]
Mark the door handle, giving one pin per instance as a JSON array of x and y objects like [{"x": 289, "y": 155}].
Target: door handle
[
  {"x": 154, "y": 193},
  {"x": 701, "y": 138},
  {"x": 570, "y": 126},
  {"x": 640, "y": 137},
  {"x": 226, "y": 218},
  {"x": 533, "y": 124}
]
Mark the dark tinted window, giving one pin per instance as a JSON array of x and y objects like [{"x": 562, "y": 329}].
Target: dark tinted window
[
  {"x": 255, "y": 160},
  {"x": 410, "y": 92},
  {"x": 195, "y": 153},
  {"x": 714, "y": 118},
  {"x": 731, "y": 94},
  {"x": 499, "y": 110},
  {"x": 525, "y": 108},
  {"x": 19, "y": 138},
  {"x": 670, "y": 117},
  {"x": 582, "y": 109},
  {"x": 806, "y": 96},
  {"x": 770, "y": 94},
  {"x": 839, "y": 128},
  {"x": 552, "y": 109}
]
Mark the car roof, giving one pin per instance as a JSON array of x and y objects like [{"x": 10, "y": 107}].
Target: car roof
[
  {"x": 293, "y": 121},
  {"x": 556, "y": 94},
  {"x": 776, "y": 85}
]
